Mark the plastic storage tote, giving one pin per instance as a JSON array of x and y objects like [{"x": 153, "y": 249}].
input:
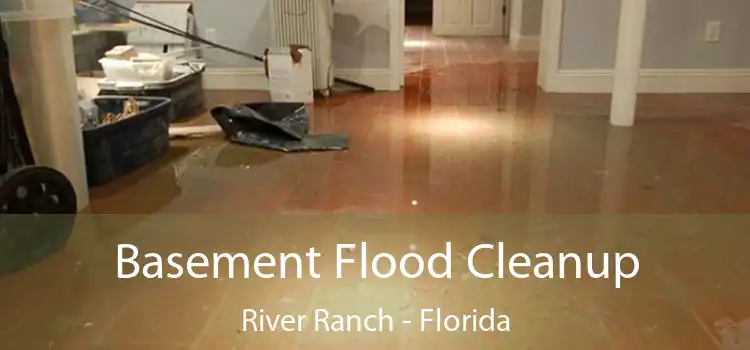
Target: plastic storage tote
[
  {"x": 117, "y": 148},
  {"x": 137, "y": 71},
  {"x": 185, "y": 90}
]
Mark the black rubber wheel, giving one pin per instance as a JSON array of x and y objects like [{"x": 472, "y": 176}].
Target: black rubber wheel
[
  {"x": 38, "y": 209},
  {"x": 37, "y": 190}
]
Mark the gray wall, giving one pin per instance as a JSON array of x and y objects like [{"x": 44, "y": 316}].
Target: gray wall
[
  {"x": 361, "y": 37},
  {"x": 239, "y": 24},
  {"x": 674, "y": 34},
  {"x": 531, "y": 24}
]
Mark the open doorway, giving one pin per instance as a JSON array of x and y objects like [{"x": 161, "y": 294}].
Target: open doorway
[
  {"x": 414, "y": 20},
  {"x": 458, "y": 18},
  {"x": 418, "y": 12}
]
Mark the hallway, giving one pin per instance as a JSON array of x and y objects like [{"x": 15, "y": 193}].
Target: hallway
[{"x": 470, "y": 152}]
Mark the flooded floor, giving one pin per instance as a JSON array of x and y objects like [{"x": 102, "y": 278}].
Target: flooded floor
[{"x": 471, "y": 153}]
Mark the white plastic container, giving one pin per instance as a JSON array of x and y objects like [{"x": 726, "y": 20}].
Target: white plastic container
[
  {"x": 179, "y": 74},
  {"x": 119, "y": 70},
  {"x": 122, "y": 52},
  {"x": 137, "y": 70},
  {"x": 153, "y": 70}
]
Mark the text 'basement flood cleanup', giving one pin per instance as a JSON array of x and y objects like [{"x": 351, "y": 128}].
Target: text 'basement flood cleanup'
[{"x": 618, "y": 266}]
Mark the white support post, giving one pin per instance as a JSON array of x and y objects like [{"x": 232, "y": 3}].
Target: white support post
[
  {"x": 40, "y": 46},
  {"x": 628, "y": 62},
  {"x": 615, "y": 171}
]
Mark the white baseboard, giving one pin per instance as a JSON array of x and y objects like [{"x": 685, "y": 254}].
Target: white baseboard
[
  {"x": 255, "y": 78},
  {"x": 235, "y": 79},
  {"x": 667, "y": 81},
  {"x": 379, "y": 79},
  {"x": 524, "y": 42}
]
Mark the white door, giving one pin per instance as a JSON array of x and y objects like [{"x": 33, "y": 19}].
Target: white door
[{"x": 469, "y": 17}]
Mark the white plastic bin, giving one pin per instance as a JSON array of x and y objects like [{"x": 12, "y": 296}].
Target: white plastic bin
[{"x": 137, "y": 71}]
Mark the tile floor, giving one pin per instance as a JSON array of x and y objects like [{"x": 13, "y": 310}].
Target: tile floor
[{"x": 469, "y": 152}]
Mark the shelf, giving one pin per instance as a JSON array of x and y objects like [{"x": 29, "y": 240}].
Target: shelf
[{"x": 105, "y": 27}]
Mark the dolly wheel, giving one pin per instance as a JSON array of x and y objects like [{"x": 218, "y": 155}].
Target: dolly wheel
[
  {"x": 37, "y": 190},
  {"x": 28, "y": 239}
]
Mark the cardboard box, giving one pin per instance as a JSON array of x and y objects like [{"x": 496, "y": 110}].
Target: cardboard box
[{"x": 289, "y": 72}]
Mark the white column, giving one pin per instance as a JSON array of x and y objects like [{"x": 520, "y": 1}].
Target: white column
[
  {"x": 42, "y": 55},
  {"x": 40, "y": 45},
  {"x": 628, "y": 62},
  {"x": 542, "y": 154},
  {"x": 510, "y": 103},
  {"x": 614, "y": 185},
  {"x": 516, "y": 19},
  {"x": 614, "y": 174}
]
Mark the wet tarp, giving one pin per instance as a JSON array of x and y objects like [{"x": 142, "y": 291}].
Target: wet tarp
[{"x": 281, "y": 126}]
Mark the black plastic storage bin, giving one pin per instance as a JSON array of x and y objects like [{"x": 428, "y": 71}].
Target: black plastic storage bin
[
  {"x": 185, "y": 91},
  {"x": 115, "y": 149}
]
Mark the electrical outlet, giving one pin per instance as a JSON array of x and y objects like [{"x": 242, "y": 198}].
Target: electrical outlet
[
  {"x": 211, "y": 35},
  {"x": 713, "y": 31}
]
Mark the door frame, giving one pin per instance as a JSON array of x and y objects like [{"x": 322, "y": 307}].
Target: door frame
[
  {"x": 397, "y": 24},
  {"x": 397, "y": 21},
  {"x": 506, "y": 20}
]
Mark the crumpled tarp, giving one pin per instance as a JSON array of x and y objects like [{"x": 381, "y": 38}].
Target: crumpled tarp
[{"x": 281, "y": 126}]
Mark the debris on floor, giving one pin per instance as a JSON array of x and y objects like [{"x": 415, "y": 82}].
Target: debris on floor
[
  {"x": 77, "y": 266},
  {"x": 90, "y": 117},
  {"x": 280, "y": 126},
  {"x": 130, "y": 109},
  {"x": 194, "y": 131}
]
